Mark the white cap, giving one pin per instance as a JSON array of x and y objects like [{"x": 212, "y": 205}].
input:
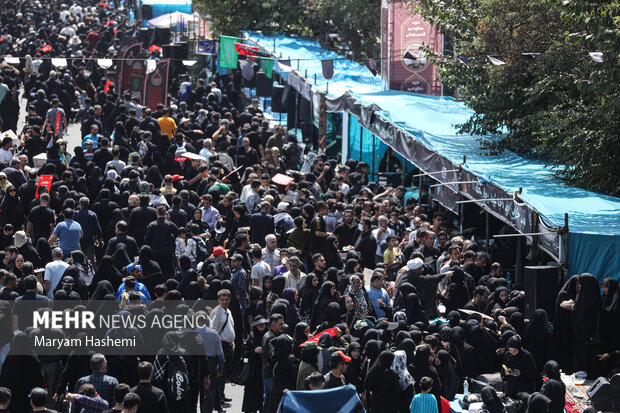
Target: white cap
[{"x": 415, "y": 263}]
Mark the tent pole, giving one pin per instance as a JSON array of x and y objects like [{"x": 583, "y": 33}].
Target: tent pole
[
  {"x": 361, "y": 141},
  {"x": 487, "y": 219},
  {"x": 373, "y": 158}
]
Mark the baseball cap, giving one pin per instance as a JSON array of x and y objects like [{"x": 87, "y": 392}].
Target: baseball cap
[
  {"x": 282, "y": 206},
  {"x": 67, "y": 280},
  {"x": 133, "y": 266},
  {"x": 311, "y": 345},
  {"x": 219, "y": 251},
  {"x": 236, "y": 257},
  {"x": 341, "y": 357}
]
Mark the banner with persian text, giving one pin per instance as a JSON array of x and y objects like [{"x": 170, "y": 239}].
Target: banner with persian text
[{"x": 403, "y": 35}]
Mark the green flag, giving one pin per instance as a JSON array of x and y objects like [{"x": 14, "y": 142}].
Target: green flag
[
  {"x": 228, "y": 53},
  {"x": 266, "y": 66}
]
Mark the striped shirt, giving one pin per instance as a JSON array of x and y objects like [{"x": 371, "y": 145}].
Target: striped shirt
[{"x": 423, "y": 403}]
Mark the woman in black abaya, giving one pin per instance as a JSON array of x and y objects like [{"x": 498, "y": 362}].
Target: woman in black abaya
[
  {"x": 21, "y": 372},
  {"x": 554, "y": 388},
  {"x": 308, "y": 295},
  {"x": 327, "y": 295},
  {"x": 331, "y": 254},
  {"x": 562, "y": 331},
  {"x": 423, "y": 367},
  {"x": 584, "y": 323},
  {"x": 284, "y": 371},
  {"x": 108, "y": 272},
  {"x": 521, "y": 373},
  {"x": 382, "y": 385},
  {"x": 538, "y": 338},
  {"x": 485, "y": 343},
  {"x": 149, "y": 267},
  {"x": 253, "y": 390},
  {"x": 414, "y": 311},
  {"x": 609, "y": 321},
  {"x": 446, "y": 369}
]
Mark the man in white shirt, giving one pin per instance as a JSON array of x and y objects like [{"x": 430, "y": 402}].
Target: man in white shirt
[
  {"x": 260, "y": 269},
  {"x": 54, "y": 272},
  {"x": 380, "y": 234},
  {"x": 294, "y": 278},
  {"x": 271, "y": 255},
  {"x": 222, "y": 322},
  {"x": 6, "y": 155}
]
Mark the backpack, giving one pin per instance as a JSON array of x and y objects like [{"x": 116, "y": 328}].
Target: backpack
[
  {"x": 177, "y": 379},
  {"x": 202, "y": 252}
]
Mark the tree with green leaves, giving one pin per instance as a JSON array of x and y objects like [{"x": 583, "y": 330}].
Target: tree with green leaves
[
  {"x": 350, "y": 27},
  {"x": 558, "y": 105}
]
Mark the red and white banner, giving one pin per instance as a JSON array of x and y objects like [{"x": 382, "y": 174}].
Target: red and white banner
[
  {"x": 404, "y": 65},
  {"x": 46, "y": 181}
]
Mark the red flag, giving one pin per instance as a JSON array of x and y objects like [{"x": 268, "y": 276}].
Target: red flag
[
  {"x": 249, "y": 51},
  {"x": 331, "y": 331},
  {"x": 46, "y": 181},
  {"x": 154, "y": 47},
  {"x": 58, "y": 122},
  {"x": 45, "y": 48}
]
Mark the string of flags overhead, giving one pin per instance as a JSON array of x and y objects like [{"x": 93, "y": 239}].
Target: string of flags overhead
[{"x": 231, "y": 49}]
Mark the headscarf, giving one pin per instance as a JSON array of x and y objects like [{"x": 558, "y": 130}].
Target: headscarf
[
  {"x": 4, "y": 184},
  {"x": 491, "y": 400},
  {"x": 584, "y": 320},
  {"x": 83, "y": 266},
  {"x": 447, "y": 375},
  {"x": 358, "y": 295},
  {"x": 378, "y": 369},
  {"x": 538, "y": 403},
  {"x": 107, "y": 271},
  {"x": 292, "y": 314},
  {"x": 399, "y": 366},
  {"x": 408, "y": 346},
  {"x": 611, "y": 301}
]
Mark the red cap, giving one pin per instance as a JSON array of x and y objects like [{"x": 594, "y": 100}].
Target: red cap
[
  {"x": 343, "y": 356},
  {"x": 219, "y": 251},
  {"x": 177, "y": 178}
]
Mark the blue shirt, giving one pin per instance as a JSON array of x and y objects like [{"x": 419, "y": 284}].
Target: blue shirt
[
  {"x": 89, "y": 222},
  {"x": 423, "y": 403},
  {"x": 69, "y": 233},
  {"x": 139, "y": 288},
  {"x": 375, "y": 295}
]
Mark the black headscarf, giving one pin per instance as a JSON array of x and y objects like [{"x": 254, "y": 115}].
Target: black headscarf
[
  {"x": 424, "y": 368},
  {"x": 554, "y": 388},
  {"x": 379, "y": 370},
  {"x": 491, "y": 400},
  {"x": 408, "y": 346},
  {"x": 447, "y": 375},
  {"x": 108, "y": 272},
  {"x": 331, "y": 254},
  {"x": 584, "y": 320},
  {"x": 414, "y": 309},
  {"x": 44, "y": 250},
  {"x": 538, "y": 403},
  {"x": 609, "y": 321},
  {"x": 538, "y": 338}
]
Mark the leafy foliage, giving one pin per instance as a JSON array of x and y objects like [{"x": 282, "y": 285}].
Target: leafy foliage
[
  {"x": 560, "y": 106},
  {"x": 349, "y": 26}
]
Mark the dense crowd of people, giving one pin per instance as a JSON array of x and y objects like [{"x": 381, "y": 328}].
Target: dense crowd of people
[{"x": 329, "y": 280}]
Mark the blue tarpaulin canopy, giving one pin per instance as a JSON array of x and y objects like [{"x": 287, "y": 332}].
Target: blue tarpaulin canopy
[
  {"x": 161, "y": 7},
  {"x": 594, "y": 219},
  {"x": 342, "y": 399}
]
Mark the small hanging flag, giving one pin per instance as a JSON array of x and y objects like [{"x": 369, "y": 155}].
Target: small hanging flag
[
  {"x": 105, "y": 63},
  {"x": 154, "y": 47},
  {"x": 247, "y": 71},
  {"x": 371, "y": 64},
  {"x": 285, "y": 66},
  {"x": 496, "y": 61},
  {"x": 228, "y": 52},
  {"x": 596, "y": 56},
  {"x": 530, "y": 55},
  {"x": 266, "y": 65},
  {"x": 12, "y": 60},
  {"x": 328, "y": 68},
  {"x": 60, "y": 63},
  {"x": 45, "y": 48},
  {"x": 464, "y": 60},
  {"x": 150, "y": 65},
  {"x": 188, "y": 63}
]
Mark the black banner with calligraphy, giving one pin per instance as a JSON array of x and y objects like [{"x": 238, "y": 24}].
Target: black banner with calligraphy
[{"x": 156, "y": 85}]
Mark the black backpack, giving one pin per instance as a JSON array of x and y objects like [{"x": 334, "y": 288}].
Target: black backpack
[
  {"x": 202, "y": 253},
  {"x": 177, "y": 379}
]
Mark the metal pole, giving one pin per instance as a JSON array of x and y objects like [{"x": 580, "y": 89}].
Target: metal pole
[
  {"x": 469, "y": 201},
  {"x": 434, "y": 173},
  {"x": 361, "y": 141},
  {"x": 487, "y": 219},
  {"x": 420, "y": 190},
  {"x": 528, "y": 234},
  {"x": 373, "y": 159},
  {"x": 457, "y": 182},
  {"x": 566, "y": 240}
]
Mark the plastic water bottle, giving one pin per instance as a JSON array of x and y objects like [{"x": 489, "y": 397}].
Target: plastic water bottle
[{"x": 465, "y": 387}]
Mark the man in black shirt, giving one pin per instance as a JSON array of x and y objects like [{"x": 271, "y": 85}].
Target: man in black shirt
[
  {"x": 152, "y": 399},
  {"x": 479, "y": 302},
  {"x": 40, "y": 220},
  {"x": 161, "y": 236},
  {"x": 345, "y": 231},
  {"x": 318, "y": 228},
  {"x": 338, "y": 363}
]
